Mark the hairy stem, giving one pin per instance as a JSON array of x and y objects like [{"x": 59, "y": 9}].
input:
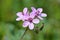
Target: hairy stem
[
  {"x": 24, "y": 33},
  {"x": 42, "y": 26}
]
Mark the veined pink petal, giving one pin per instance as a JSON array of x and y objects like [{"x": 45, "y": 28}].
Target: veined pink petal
[
  {"x": 36, "y": 21},
  {"x": 25, "y": 10},
  {"x": 43, "y": 15},
  {"x": 18, "y": 19},
  {"x": 40, "y": 10},
  {"x": 40, "y": 18},
  {"x": 31, "y": 26},
  {"x": 26, "y": 23},
  {"x": 33, "y": 9},
  {"x": 32, "y": 14},
  {"x": 25, "y": 17},
  {"x": 19, "y": 14}
]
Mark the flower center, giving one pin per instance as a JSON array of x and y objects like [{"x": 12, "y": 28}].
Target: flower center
[
  {"x": 30, "y": 19},
  {"x": 37, "y": 13}
]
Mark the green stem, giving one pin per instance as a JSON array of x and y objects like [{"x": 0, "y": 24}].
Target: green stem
[
  {"x": 42, "y": 26},
  {"x": 24, "y": 33}
]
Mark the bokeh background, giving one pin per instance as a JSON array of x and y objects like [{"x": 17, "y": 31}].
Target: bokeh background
[{"x": 10, "y": 29}]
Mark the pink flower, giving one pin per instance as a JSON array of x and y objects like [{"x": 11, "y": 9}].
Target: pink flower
[
  {"x": 38, "y": 13},
  {"x": 22, "y": 15},
  {"x": 30, "y": 22},
  {"x": 32, "y": 18}
]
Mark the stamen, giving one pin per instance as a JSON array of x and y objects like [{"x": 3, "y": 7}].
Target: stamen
[{"x": 30, "y": 19}]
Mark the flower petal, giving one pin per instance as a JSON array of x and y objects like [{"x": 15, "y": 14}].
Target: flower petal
[
  {"x": 31, "y": 26},
  {"x": 32, "y": 14},
  {"x": 36, "y": 21},
  {"x": 43, "y": 15},
  {"x": 26, "y": 23},
  {"x": 40, "y": 17},
  {"x": 19, "y": 14},
  {"x": 40, "y": 10},
  {"x": 18, "y": 19},
  {"x": 33, "y": 9},
  {"x": 25, "y": 10},
  {"x": 25, "y": 17}
]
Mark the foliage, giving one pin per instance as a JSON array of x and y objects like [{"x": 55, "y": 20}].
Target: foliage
[{"x": 12, "y": 30}]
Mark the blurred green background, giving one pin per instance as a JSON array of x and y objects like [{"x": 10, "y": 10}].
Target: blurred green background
[{"x": 10, "y": 29}]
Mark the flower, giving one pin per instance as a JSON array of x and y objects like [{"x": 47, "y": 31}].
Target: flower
[
  {"x": 38, "y": 13},
  {"x": 30, "y": 22},
  {"x": 29, "y": 19},
  {"x": 22, "y": 15}
]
